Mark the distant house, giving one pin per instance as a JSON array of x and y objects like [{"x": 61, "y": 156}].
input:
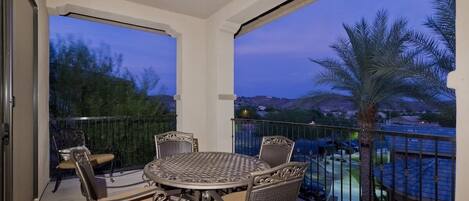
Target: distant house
[
  {"x": 261, "y": 108},
  {"x": 337, "y": 113},
  {"x": 351, "y": 114},
  {"x": 412, "y": 180},
  {"x": 407, "y": 120},
  {"x": 382, "y": 115}
]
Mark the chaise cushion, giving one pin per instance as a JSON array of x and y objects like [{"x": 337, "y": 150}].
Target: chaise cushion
[
  {"x": 96, "y": 159},
  {"x": 238, "y": 196}
]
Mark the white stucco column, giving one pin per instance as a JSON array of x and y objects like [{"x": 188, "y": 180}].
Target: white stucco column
[
  {"x": 191, "y": 99},
  {"x": 220, "y": 84},
  {"x": 221, "y": 28},
  {"x": 43, "y": 98},
  {"x": 459, "y": 80}
]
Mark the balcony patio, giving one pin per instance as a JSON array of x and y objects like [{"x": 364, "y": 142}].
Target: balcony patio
[{"x": 404, "y": 166}]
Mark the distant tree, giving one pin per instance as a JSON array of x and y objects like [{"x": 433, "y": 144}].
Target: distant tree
[
  {"x": 297, "y": 115},
  {"x": 369, "y": 74},
  {"x": 247, "y": 112},
  {"x": 307, "y": 116},
  {"x": 87, "y": 81},
  {"x": 443, "y": 119}
]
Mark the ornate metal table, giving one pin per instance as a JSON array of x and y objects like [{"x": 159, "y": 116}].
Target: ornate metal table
[{"x": 204, "y": 170}]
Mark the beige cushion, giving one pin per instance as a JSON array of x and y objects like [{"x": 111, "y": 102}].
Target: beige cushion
[
  {"x": 66, "y": 165},
  {"x": 65, "y": 153},
  {"x": 101, "y": 158},
  {"x": 140, "y": 194},
  {"x": 96, "y": 159},
  {"x": 238, "y": 196}
]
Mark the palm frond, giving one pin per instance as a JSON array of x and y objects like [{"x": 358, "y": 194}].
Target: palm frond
[{"x": 443, "y": 22}]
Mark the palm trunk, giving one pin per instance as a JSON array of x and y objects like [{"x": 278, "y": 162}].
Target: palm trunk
[{"x": 367, "y": 122}]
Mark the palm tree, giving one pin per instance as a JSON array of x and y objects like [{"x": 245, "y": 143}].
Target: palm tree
[
  {"x": 439, "y": 51},
  {"x": 369, "y": 74}
]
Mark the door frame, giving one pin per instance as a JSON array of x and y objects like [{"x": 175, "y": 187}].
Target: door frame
[
  {"x": 6, "y": 100},
  {"x": 35, "y": 97}
]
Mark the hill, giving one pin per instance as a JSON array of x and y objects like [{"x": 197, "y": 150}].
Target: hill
[{"x": 336, "y": 104}]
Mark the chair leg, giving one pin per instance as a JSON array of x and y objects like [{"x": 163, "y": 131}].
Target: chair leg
[
  {"x": 112, "y": 172},
  {"x": 58, "y": 180},
  {"x": 197, "y": 195}
]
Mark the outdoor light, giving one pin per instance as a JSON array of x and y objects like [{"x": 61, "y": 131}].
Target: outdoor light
[{"x": 245, "y": 113}]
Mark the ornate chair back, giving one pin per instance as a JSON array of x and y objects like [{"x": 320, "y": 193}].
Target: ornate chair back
[
  {"x": 173, "y": 142},
  {"x": 85, "y": 172},
  {"x": 68, "y": 137},
  {"x": 276, "y": 150},
  {"x": 196, "y": 145},
  {"x": 281, "y": 183}
]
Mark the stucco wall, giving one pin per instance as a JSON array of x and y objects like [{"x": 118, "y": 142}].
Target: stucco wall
[
  {"x": 43, "y": 97},
  {"x": 22, "y": 131},
  {"x": 460, "y": 81},
  {"x": 221, "y": 27}
]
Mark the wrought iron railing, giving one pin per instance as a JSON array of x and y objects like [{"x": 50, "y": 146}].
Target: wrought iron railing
[
  {"x": 405, "y": 166},
  {"x": 130, "y": 139}
]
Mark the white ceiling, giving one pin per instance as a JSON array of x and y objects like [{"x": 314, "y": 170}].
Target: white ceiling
[{"x": 196, "y": 8}]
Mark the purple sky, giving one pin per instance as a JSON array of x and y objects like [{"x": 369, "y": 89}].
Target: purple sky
[
  {"x": 140, "y": 49},
  {"x": 271, "y": 60}
]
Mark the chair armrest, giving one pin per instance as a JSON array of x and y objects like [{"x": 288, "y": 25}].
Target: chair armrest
[
  {"x": 55, "y": 150},
  {"x": 139, "y": 194}
]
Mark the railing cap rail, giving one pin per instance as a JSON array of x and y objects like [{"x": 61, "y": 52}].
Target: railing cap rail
[
  {"x": 382, "y": 132},
  {"x": 110, "y": 118}
]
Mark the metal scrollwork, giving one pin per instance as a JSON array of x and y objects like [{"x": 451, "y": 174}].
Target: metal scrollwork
[
  {"x": 280, "y": 175},
  {"x": 160, "y": 195},
  {"x": 277, "y": 140},
  {"x": 174, "y": 136}
]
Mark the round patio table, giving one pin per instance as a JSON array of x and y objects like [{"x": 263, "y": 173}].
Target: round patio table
[{"x": 204, "y": 170}]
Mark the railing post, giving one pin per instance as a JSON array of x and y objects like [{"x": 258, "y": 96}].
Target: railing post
[{"x": 233, "y": 133}]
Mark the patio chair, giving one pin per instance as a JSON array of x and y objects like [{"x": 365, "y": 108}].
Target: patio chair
[
  {"x": 196, "y": 145},
  {"x": 94, "y": 189},
  {"x": 65, "y": 140},
  {"x": 276, "y": 150},
  {"x": 281, "y": 183},
  {"x": 173, "y": 142}
]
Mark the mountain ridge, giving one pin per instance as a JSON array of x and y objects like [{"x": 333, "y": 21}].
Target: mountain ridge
[{"x": 336, "y": 104}]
